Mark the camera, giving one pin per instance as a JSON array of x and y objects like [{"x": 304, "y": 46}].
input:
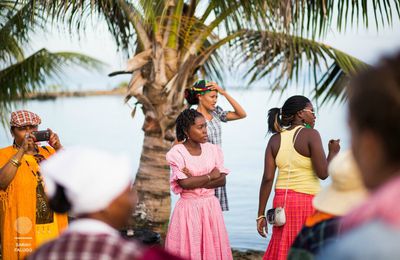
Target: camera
[{"x": 41, "y": 135}]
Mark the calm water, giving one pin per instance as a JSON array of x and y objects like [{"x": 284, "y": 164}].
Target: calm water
[{"x": 105, "y": 122}]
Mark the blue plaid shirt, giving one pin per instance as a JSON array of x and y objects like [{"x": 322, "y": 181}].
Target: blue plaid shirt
[{"x": 311, "y": 239}]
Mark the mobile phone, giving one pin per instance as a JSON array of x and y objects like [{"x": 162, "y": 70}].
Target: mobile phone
[{"x": 41, "y": 135}]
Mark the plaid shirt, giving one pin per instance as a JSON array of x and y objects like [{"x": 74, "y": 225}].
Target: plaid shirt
[
  {"x": 88, "y": 240},
  {"x": 75, "y": 245},
  {"x": 214, "y": 137},
  {"x": 311, "y": 239}
]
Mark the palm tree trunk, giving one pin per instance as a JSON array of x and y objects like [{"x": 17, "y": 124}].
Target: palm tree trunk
[{"x": 152, "y": 184}]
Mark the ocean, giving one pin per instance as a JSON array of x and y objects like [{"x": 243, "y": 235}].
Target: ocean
[{"x": 105, "y": 122}]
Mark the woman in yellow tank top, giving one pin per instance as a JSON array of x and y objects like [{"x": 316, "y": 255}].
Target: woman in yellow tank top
[{"x": 296, "y": 150}]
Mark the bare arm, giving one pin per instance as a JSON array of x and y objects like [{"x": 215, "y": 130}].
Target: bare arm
[
  {"x": 238, "y": 112},
  {"x": 194, "y": 182},
  {"x": 8, "y": 171},
  {"x": 219, "y": 182},
  {"x": 266, "y": 186},
  {"x": 318, "y": 159}
]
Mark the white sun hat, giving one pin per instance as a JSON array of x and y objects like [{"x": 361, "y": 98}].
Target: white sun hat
[
  {"x": 91, "y": 178},
  {"x": 346, "y": 190}
]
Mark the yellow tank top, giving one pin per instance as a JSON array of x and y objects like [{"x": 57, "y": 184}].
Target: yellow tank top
[{"x": 302, "y": 177}]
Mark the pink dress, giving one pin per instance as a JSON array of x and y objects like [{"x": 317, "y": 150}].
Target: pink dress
[{"x": 197, "y": 229}]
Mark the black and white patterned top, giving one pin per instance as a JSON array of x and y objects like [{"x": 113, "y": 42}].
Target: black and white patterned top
[
  {"x": 214, "y": 126},
  {"x": 215, "y": 137}
]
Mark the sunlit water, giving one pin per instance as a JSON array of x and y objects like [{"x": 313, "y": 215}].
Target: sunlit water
[{"x": 105, "y": 122}]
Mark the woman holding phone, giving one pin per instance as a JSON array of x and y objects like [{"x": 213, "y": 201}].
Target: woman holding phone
[{"x": 23, "y": 203}]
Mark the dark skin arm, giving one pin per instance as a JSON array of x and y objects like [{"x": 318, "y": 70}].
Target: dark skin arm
[
  {"x": 309, "y": 144},
  {"x": 194, "y": 182},
  {"x": 219, "y": 182},
  {"x": 28, "y": 146},
  {"x": 238, "y": 112},
  {"x": 267, "y": 180},
  {"x": 8, "y": 171}
]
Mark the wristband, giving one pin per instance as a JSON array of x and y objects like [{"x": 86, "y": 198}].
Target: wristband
[
  {"x": 209, "y": 177},
  {"x": 260, "y": 217}
]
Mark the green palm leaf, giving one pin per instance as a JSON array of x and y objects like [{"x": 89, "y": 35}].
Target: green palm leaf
[
  {"x": 282, "y": 57},
  {"x": 32, "y": 73},
  {"x": 19, "y": 75},
  {"x": 190, "y": 27},
  {"x": 16, "y": 23},
  {"x": 314, "y": 18}
]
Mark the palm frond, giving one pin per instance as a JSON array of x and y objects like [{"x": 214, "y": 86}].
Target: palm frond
[
  {"x": 282, "y": 57},
  {"x": 314, "y": 18},
  {"x": 32, "y": 73},
  {"x": 77, "y": 14},
  {"x": 213, "y": 65},
  {"x": 239, "y": 13},
  {"x": 17, "y": 22},
  {"x": 211, "y": 58},
  {"x": 10, "y": 49}
]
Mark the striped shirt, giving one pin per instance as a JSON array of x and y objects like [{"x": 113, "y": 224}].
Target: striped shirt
[{"x": 215, "y": 137}]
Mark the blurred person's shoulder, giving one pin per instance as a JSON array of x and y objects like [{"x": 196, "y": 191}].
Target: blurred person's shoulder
[{"x": 372, "y": 240}]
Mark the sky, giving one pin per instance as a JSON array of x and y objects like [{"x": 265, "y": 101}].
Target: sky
[{"x": 367, "y": 45}]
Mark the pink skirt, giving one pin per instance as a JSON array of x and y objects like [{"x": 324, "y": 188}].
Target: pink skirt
[
  {"x": 197, "y": 230},
  {"x": 298, "y": 208}
]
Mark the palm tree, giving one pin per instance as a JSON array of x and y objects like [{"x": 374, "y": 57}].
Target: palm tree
[
  {"x": 174, "y": 41},
  {"x": 20, "y": 75}
]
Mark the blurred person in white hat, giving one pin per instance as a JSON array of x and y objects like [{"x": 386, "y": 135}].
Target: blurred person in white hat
[
  {"x": 344, "y": 193},
  {"x": 372, "y": 230},
  {"x": 95, "y": 187},
  {"x": 26, "y": 218}
]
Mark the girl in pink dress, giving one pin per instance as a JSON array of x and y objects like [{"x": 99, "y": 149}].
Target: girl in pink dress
[{"x": 196, "y": 229}]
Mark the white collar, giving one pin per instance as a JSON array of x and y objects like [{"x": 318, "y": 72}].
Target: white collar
[{"x": 91, "y": 226}]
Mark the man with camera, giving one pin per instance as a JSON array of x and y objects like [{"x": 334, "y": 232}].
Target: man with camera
[{"x": 26, "y": 220}]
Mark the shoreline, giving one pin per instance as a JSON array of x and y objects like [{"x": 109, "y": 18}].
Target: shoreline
[
  {"x": 238, "y": 254},
  {"x": 60, "y": 94},
  {"x": 247, "y": 254}
]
